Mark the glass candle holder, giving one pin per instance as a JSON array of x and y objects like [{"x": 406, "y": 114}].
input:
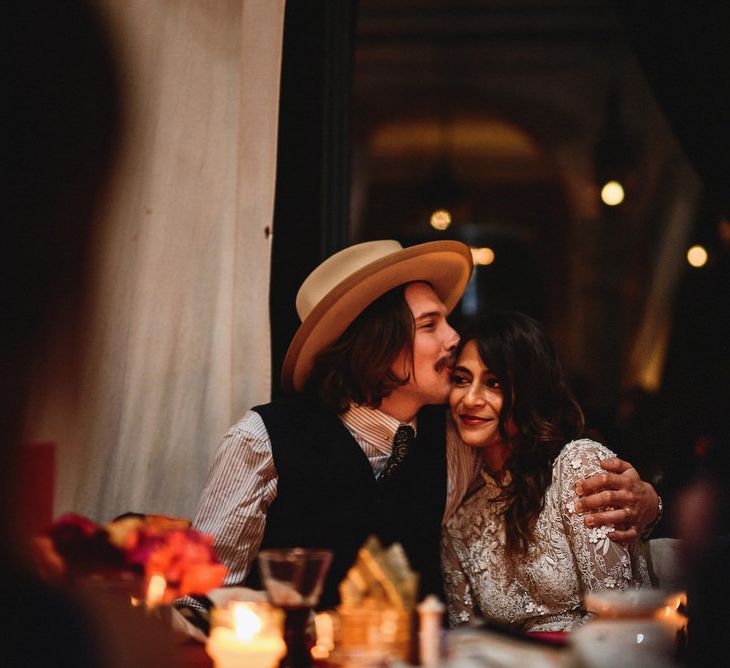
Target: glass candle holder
[{"x": 246, "y": 635}]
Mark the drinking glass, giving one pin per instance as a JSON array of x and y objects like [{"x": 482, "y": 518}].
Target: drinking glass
[{"x": 293, "y": 579}]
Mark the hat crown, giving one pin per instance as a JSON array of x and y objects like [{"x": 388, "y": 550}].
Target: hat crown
[
  {"x": 338, "y": 268},
  {"x": 345, "y": 284}
]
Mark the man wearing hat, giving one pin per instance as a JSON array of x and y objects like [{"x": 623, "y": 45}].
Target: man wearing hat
[{"x": 359, "y": 444}]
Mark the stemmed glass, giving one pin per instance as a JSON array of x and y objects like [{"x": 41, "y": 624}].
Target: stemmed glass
[{"x": 293, "y": 578}]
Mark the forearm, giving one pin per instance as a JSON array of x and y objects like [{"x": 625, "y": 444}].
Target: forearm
[{"x": 236, "y": 541}]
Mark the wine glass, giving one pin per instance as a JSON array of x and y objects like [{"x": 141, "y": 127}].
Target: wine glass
[{"x": 293, "y": 579}]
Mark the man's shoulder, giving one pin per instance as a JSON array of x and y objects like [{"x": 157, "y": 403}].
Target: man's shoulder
[
  {"x": 298, "y": 411},
  {"x": 250, "y": 425},
  {"x": 290, "y": 404},
  {"x": 584, "y": 448}
]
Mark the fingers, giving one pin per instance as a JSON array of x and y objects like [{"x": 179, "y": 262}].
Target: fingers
[
  {"x": 604, "y": 481},
  {"x": 616, "y": 465},
  {"x": 620, "y": 517},
  {"x": 624, "y": 536},
  {"x": 617, "y": 499}
]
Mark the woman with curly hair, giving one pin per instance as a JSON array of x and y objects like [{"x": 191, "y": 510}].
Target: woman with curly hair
[{"x": 516, "y": 553}]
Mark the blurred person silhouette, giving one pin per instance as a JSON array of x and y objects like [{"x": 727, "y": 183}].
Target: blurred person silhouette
[{"x": 61, "y": 134}]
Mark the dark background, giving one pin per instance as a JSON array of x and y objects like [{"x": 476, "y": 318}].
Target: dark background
[{"x": 512, "y": 114}]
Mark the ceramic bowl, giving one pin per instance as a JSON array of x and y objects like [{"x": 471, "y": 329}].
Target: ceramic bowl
[
  {"x": 641, "y": 643},
  {"x": 627, "y": 603}
]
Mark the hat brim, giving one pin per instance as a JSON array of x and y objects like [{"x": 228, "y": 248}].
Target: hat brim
[{"x": 445, "y": 265}]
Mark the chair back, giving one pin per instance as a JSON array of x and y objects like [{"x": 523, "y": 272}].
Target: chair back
[{"x": 665, "y": 562}]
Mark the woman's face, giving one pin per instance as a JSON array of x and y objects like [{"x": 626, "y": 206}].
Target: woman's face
[{"x": 475, "y": 399}]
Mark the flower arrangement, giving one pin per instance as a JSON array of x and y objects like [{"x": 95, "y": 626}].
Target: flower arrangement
[{"x": 149, "y": 546}]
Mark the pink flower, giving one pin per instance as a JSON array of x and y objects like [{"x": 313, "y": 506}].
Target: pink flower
[
  {"x": 154, "y": 545},
  {"x": 185, "y": 558}
]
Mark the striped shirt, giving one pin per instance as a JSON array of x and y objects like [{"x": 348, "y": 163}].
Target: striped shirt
[{"x": 242, "y": 481}]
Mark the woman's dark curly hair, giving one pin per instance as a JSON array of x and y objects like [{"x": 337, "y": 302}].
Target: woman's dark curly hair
[
  {"x": 356, "y": 368},
  {"x": 538, "y": 409}
]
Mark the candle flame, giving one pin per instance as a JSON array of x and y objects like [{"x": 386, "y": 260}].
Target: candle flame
[
  {"x": 669, "y": 613},
  {"x": 155, "y": 591},
  {"x": 246, "y": 623}
]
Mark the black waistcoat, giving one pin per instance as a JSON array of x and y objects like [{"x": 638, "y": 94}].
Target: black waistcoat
[{"x": 328, "y": 497}]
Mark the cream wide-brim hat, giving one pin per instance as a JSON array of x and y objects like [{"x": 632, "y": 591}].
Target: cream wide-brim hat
[{"x": 346, "y": 283}]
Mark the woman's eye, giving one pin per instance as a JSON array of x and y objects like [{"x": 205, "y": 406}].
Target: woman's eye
[
  {"x": 459, "y": 379},
  {"x": 492, "y": 383}
]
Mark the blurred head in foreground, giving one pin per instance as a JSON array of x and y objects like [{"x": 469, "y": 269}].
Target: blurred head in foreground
[{"x": 61, "y": 135}]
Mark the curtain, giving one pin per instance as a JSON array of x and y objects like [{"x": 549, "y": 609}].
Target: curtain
[{"x": 176, "y": 342}]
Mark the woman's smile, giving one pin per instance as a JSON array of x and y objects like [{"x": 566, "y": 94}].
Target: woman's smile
[
  {"x": 476, "y": 399},
  {"x": 474, "y": 420}
]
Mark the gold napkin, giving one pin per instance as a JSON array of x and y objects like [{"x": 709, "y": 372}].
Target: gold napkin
[{"x": 380, "y": 579}]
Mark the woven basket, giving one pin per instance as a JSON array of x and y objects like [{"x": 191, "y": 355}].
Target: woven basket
[{"x": 388, "y": 630}]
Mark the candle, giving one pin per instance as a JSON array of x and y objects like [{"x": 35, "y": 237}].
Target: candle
[
  {"x": 155, "y": 591},
  {"x": 430, "y": 612},
  {"x": 228, "y": 651},
  {"x": 671, "y": 616},
  {"x": 251, "y": 642},
  {"x": 324, "y": 627}
]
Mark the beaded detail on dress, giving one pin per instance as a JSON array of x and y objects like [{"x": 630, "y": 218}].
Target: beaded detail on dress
[{"x": 542, "y": 591}]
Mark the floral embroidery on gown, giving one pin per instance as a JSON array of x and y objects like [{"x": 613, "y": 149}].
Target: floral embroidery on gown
[{"x": 542, "y": 591}]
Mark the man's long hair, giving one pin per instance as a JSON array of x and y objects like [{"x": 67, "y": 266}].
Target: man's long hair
[
  {"x": 538, "y": 410},
  {"x": 356, "y": 368}
]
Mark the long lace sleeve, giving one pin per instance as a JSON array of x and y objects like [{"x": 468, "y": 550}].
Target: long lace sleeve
[
  {"x": 459, "y": 600},
  {"x": 602, "y": 564}
]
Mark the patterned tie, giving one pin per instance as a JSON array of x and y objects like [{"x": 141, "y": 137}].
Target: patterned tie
[{"x": 403, "y": 439}]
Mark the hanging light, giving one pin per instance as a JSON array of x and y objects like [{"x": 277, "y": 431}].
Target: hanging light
[{"x": 615, "y": 155}]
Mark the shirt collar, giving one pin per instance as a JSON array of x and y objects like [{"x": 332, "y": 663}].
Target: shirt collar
[{"x": 373, "y": 425}]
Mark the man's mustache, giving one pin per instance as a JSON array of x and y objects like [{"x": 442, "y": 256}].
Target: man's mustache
[{"x": 444, "y": 362}]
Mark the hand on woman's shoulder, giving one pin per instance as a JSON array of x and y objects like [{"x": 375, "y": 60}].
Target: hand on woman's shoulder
[
  {"x": 578, "y": 460},
  {"x": 584, "y": 453}
]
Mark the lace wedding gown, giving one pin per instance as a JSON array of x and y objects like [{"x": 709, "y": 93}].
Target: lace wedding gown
[{"x": 543, "y": 590}]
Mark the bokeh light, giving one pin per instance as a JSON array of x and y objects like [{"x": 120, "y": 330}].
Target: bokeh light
[
  {"x": 482, "y": 256},
  {"x": 440, "y": 219},
  {"x": 697, "y": 256},
  {"x": 612, "y": 193}
]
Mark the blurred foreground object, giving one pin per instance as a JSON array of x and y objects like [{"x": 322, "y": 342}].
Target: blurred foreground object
[
  {"x": 173, "y": 559},
  {"x": 378, "y": 597},
  {"x": 246, "y": 634}
]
